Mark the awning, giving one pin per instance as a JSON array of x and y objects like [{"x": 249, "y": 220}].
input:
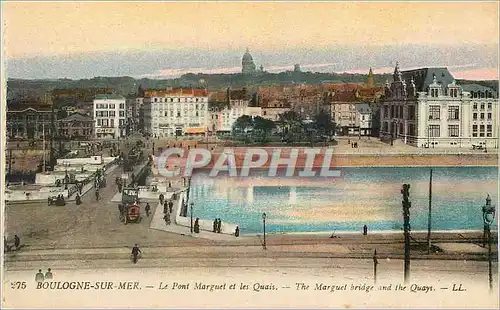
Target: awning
[{"x": 195, "y": 130}]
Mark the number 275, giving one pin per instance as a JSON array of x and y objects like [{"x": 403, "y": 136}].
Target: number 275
[{"x": 18, "y": 285}]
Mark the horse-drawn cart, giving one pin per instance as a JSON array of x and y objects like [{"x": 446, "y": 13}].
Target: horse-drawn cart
[{"x": 130, "y": 210}]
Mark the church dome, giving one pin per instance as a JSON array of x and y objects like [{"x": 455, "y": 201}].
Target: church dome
[
  {"x": 247, "y": 64},
  {"x": 247, "y": 57}
]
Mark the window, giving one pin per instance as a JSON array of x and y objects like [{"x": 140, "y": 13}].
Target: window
[
  {"x": 434, "y": 111},
  {"x": 489, "y": 105},
  {"x": 112, "y": 124},
  {"x": 474, "y": 116},
  {"x": 122, "y": 106},
  {"x": 99, "y": 122},
  {"x": 122, "y": 114},
  {"x": 434, "y": 131},
  {"x": 482, "y": 116},
  {"x": 482, "y": 106},
  {"x": 401, "y": 112},
  {"x": 489, "y": 130},
  {"x": 178, "y": 113},
  {"x": 481, "y": 130},
  {"x": 397, "y": 112},
  {"x": 386, "y": 111},
  {"x": 489, "y": 116},
  {"x": 453, "y": 113},
  {"x": 474, "y": 106},
  {"x": 411, "y": 112},
  {"x": 392, "y": 111},
  {"x": 454, "y": 92},
  {"x": 434, "y": 92},
  {"x": 112, "y": 113},
  {"x": 453, "y": 130}
]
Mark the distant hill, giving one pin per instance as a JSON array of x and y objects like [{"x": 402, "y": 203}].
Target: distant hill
[{"x": 19, "y": 88}]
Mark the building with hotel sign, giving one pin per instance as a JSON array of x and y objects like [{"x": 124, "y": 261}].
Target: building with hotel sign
[
  {"x": 109, "y": 116},
  {"x": 427, "y": 108},
  {"x": 176, "y": 112}
]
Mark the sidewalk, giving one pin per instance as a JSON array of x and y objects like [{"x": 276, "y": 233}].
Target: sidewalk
[{"x": 159, "y": 224}]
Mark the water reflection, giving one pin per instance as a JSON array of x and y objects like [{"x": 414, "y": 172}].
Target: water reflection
[{"x": 368, "y": 196}]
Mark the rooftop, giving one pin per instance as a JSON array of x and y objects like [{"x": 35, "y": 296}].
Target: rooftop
[
  {"x": 108, "y": 97},
  {"x": 177, "y": 92},
  {"x": 423, "y": 77},
  {"x": 77, "y": 117}
]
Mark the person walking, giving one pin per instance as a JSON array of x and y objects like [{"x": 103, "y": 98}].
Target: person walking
[
  {"x": 165, "y": 207},
  {"x": 48, "y": 274},
  {"x": 171, "y": 206},
  {"x": 39, "y": 277},
  {"x": 135, "y": 253},
  {"x": 219, "y": 226},
  {"x": 148, "y": 209},
  {"x": 17, "y": 242}
]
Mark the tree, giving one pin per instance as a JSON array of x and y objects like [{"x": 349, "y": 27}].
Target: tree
[
  {"x": 262, "y": 127},
  {"x": 242, "y": 124},
  {"x": 323, "y": 123},
  {"x": 292, "y": 126}
]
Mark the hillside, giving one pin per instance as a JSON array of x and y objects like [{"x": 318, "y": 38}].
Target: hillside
[{"x": 17, "y": 88}]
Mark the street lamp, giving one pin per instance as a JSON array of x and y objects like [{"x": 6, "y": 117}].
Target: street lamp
[
  {"x": 264, "y": 224},
  {"x": 191, "y": 213},
  {"x": 488, "y": 217}
]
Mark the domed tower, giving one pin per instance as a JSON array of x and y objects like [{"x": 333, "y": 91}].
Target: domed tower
[{"x": 247, "y": 64}]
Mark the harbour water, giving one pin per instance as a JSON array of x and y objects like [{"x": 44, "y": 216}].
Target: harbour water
[{"x": 362, "y": 196}]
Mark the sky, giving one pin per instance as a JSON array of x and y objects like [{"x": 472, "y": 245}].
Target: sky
[{"x": 166, "y": 39}]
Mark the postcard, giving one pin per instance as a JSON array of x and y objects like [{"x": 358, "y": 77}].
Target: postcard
[{"x": 250, "y": 154}]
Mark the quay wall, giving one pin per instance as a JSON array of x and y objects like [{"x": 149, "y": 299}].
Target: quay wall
[{"x": 358, "y": 160}]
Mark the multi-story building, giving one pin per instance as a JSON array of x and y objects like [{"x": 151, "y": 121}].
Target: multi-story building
[
  {"x": 76, "y": 126},
  {"x": 176, "y": 112},
  {"x": 226, "y": 108},
  {"x": 365, "y": 119},
  {"x": 30, "y": 120},
  {"x": 134, "y": 105},
  {"x": 109, "y": 116},
  {"x": 427, "y": 108}
]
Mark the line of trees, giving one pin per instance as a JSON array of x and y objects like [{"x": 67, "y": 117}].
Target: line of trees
[{"x": 291, "y": 128}]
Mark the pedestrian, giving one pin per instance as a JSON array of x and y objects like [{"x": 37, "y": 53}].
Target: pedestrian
[
  {"x": 171, "y": 206},
  {"x": 166, "y": 218},
  {"x": 165, "y": 207},
  {"x": 197, "y": 225},
  {"x": 162, "y": 198},
  {"x": 365, "y": 230},
  {"x": 237, "y": 232},
  {"x": 49, "y": 201},
  {"x": 17, "y": 242},
  {"x": 6, "y": 246},
  {"x": 215, "y": 225},
  {"x": 169, "y": 184},
  {"x": 148, "y": 208},
  {"x": 48, "y": 274},
  {"x": 219, "y": 225},
  {"x": 39, "y": 277}
]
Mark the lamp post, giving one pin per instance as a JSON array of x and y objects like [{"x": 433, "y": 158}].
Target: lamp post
[
  {"x": 191, "y": 213},
  {"x": 264, "y": 226},
  {"x": 488, "y": 217},
  {"x": 406, "y": 218},
  {"x": 375, "y": 263}
]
